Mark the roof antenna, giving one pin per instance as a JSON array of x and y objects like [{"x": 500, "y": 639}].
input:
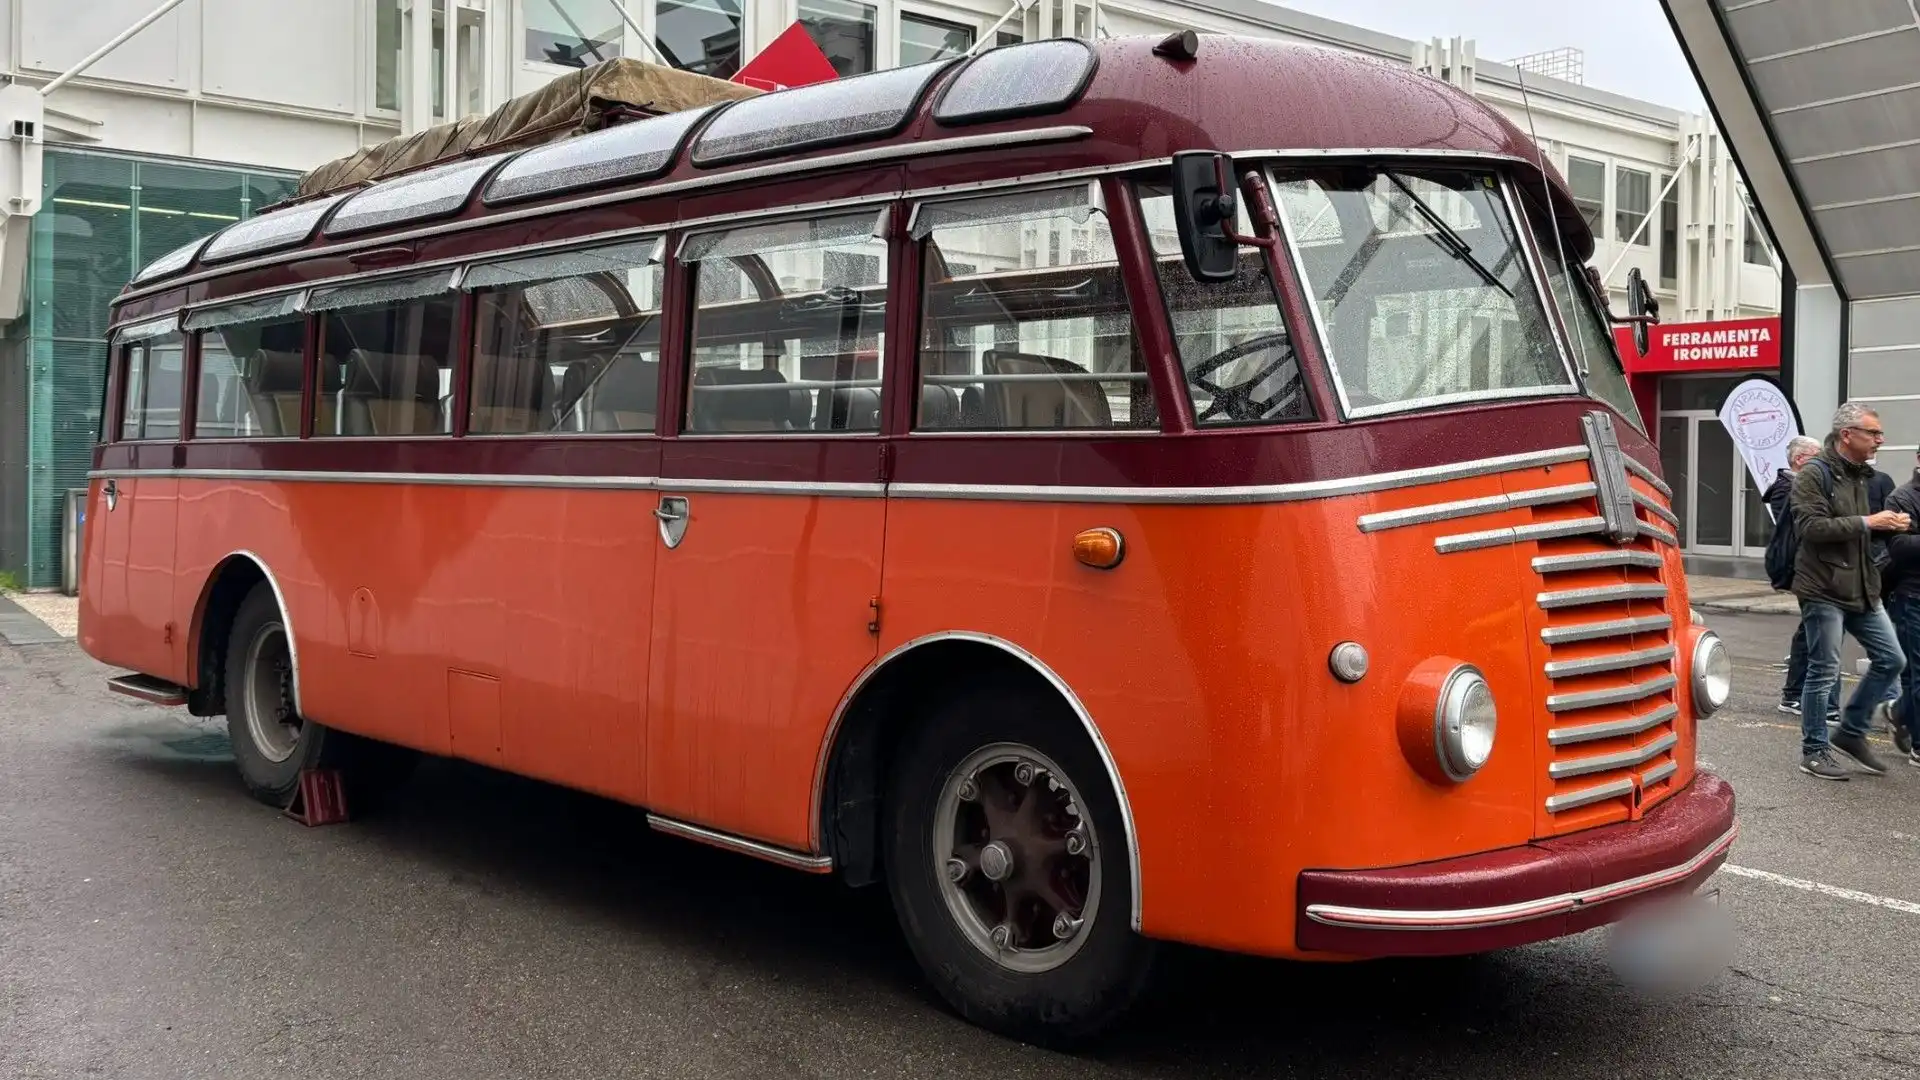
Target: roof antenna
[
  {"x": 1179, "y": 45},
  {"x": 1553, "y": 221}
]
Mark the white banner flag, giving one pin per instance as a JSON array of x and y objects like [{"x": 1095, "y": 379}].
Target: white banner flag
[{"x": 1761, "y": 419}]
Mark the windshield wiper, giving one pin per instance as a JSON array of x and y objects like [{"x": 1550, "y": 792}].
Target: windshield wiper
[{"x": 1448, "y": 239}]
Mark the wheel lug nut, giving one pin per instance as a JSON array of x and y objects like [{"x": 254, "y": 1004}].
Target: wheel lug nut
[
  {"x": 1001, "y": 936},
  {"x": 1076, "y": 843},
  {"x": 1023, "y": 773},
  {"x": 969, "y": 790},
  {"x": 956, "y": 871},
  {"x": 1065, "y": 926}
]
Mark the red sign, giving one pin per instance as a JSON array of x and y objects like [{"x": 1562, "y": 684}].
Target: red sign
[
  {"x": 791, "y": 60},
  {"x": 1725, "y": 345}
]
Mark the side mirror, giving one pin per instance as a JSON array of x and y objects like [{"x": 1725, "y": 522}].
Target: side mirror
[
  {"x": 1642, "y": 309},
  {"x": 1204, "y": 208}
]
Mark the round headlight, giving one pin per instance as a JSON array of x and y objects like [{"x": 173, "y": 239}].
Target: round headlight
[
  {"x": 1464, "y": 723},
  {"x": 1712, "y": 674}
]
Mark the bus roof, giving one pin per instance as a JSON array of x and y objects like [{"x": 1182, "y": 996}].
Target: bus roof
[{"x": 1081, "y": 104}]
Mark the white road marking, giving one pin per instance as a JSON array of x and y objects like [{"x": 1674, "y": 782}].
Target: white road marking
[{"x": 1904, "y": 906}]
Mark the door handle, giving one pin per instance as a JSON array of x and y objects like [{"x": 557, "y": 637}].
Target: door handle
[
  {"x": 112, "y": 494},
  {"x": 674, "y": 514}
]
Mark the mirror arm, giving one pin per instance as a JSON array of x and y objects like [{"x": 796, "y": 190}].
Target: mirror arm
[{"x": 1263, "y": 209}]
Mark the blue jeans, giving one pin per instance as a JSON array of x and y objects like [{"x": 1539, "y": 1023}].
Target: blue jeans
[
  {"x": 1905, "y": 612},
  {"x": 1796, "y": 665},
  {"x": 1825, "y": 625}
]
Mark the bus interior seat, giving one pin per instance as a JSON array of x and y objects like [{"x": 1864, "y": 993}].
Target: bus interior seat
[
  {"x": 521, "y": 389},
  {"x": 626, "y": 397},
  {"x": 853, "y": 408},
  {"x": 770, "y": 405},
  {"x": 391, "y": 394},
  {"x": 275, "y": 380},
  {"x": 939, "y": 407},
  {"x": 1045, "y": 403}
]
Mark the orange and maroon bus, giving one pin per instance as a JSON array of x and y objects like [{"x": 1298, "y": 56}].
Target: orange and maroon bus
[{"x": 1107, "y": 494}]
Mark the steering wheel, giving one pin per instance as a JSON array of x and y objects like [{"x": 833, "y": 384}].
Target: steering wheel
[{"x": 1238, "y": 400}]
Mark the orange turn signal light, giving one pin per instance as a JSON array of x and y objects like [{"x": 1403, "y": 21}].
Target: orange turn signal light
[{"x": 1099, "y": 548}]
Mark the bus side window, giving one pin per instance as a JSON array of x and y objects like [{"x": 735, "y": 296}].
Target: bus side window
[
  {"x": 155, "y": 370},
  {"x": 1025, "y": 321},
  {"x": 567, "y": 343},
  {"x": 1239, "y": 359},
  {"x": 788, "y": 326},
  {"x": 250, "y": 379},
  {"x": 384, "y": 369}
]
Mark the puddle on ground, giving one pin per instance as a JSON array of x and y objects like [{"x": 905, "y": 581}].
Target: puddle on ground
[{"x": 168, "y": 738}]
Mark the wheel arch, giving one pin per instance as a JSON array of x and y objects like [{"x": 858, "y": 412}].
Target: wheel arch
[
  {"x": 868, "y": 722},
  {"x": 225, "y": 589}
]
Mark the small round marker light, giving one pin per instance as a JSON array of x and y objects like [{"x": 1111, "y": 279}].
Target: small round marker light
[
  {"x": 1100, "y": 548},
  {"x": 1348, "y": 661}
]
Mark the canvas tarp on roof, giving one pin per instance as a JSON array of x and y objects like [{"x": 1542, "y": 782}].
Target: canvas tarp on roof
[{"x": 569, "y": 105}]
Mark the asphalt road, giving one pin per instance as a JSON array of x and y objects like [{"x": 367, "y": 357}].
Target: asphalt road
[{"x": 156, "y": 923}]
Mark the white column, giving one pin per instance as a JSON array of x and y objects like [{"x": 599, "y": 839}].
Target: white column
[{"x": 416, "y": 103}]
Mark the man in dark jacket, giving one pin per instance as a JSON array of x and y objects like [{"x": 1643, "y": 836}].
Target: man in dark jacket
[
  {"x": 1903, "y": 605},
  {"x": 1839, "y": 589},
  {"x": 1799, "y": 451}
]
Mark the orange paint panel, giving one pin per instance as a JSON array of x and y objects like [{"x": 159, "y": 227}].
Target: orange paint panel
[
  {"x": 1201, "y": 659},
  {"x": 106, "y": 621},
  {"x": 156, "y": 643},
  {"x": 760, "y": 626}
]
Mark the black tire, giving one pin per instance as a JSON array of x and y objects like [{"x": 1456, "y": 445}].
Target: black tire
[
  {"x": 371, "y": 770},
  {"x": 1091, "y": 990}
]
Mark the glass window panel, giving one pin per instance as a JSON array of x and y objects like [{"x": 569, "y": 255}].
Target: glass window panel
[
  {"x": 924, "y": 39},
  {"x": 783, "y": 236},
  {"x": 1423, "y": 288},
  {"x": 385, "y": 369},
  {"x": 1595, "y": 348},
  {"x": 1632, "y": 198},
  {"x": 572, "y": 349},
  {"x": 701, "y": 36},
  {"x": 865, "y": 106},
  {"x": 380, "y": 290},
  {"x": 430, "y": 193},
  {"x": 1239, "y": 359},
  {"x": 637, "y": 150},
  {"x": 1075, "y": 202},
  {"x": 844, "y": 32},
  {"x": 1675, "y": 431},
  {"x": 573, "y": 33},
  {"x": 1669, "y": 234},
  {"x": 1025, "y": 325},
  {"x": 1040, "y": 76},
  {"x": 251, "y": 375},
  {"x": 285, "y": 228},
  {"x": 1588, "y": 181},
  {"x": 789, "y": 336},
  {"x": 177, "y": 204},
  {"x": 386, "y": 54},
  {"x": 244, "y": 311},
  {"x": 607, "y": 258},
  {"x": 172, "y": 262},
  {"x": 156, "y": 371}
]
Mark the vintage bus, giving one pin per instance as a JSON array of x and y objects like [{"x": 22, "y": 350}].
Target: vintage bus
[{"x": 1105, "y": 494}]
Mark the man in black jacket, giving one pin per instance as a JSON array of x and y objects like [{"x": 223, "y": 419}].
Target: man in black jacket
[
  {"x": 1838, "y": 584},
  {"x": 1799, "y": 451},
  {"x": 1903, "y": 605}
]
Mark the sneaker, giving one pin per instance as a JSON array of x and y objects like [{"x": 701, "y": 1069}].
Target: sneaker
[
  {"x": 1792, "y": 707},
  {"x": 1820, "y": 763},
  {"x": 1913, "y": 758},
  {"x": 1855, "y": 747}
]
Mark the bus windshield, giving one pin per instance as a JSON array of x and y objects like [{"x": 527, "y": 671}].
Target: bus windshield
[
  {"x": 1594, "y": 348},
  {"x": 1421, "y": 286}
]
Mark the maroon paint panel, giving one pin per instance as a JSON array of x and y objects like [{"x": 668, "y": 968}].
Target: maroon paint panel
[{"x": 1667, "y": 836}]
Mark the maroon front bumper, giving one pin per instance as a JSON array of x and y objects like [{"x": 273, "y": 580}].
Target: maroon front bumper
[{"x": 1545, "y": 889}]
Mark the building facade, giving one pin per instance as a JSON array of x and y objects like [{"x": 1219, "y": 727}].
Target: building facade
[{"x": 213, "y": 110}]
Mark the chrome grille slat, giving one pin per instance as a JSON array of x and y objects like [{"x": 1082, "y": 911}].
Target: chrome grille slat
[
  {"x": 1599, "y": 594},
  {"x": 1599, "y": 763},
  {"x": 1613, "y": 695},
  {"x": 1658, "y": 773},
  {"x": 1573, "y": 800},
  {"x": 1567, "y": 635},
  {"x": 1659, "y": 534},
  {"x": 1645, "y": 502},
  {"x": 1647, "y": 474},
  {"x": 1596, "y": 560},
  {"x": 1491, "y": 504},
  {"x": 1594, "y": 665},
  {"x": 1546, "y": 530},
  {"x": 1608, "y": 729}
]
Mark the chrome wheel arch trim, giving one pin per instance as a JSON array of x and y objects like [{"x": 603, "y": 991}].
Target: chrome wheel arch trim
[
  {"x": 1129, "y": 834},
  {"x": 279, "y": 598}
]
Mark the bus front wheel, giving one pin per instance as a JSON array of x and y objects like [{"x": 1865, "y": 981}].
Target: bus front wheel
[
  {"x": 272, "y": 742},
  {"x": 1008, "y": 867}
]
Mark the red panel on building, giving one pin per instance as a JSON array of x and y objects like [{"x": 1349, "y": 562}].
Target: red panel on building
[
  {"x": 791, "y": 60},
  {"x": 1726, "y": 345}
]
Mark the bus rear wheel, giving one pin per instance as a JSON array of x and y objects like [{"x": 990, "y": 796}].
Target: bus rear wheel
[
  {"x": 1008, "y": 866},
  {"x": 272, "y": 742}
]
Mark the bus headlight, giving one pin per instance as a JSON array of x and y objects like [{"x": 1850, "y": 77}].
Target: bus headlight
[
  {"x": 1464, "y": 723},
  {"x": 1712, "y": 674}
]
